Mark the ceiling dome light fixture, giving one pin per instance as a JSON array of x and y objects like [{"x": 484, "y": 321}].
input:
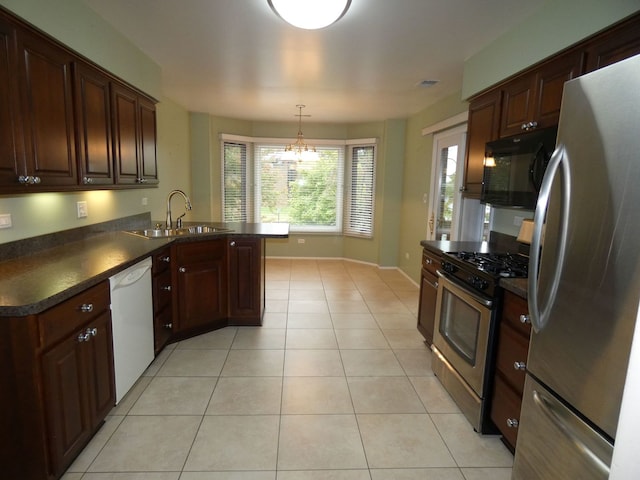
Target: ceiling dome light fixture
[{"x": 310, "y": 14}]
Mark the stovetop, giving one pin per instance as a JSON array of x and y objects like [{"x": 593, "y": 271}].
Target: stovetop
[
  {"x": 508, "y": 265},
  {"x": 482, "y": 271}
]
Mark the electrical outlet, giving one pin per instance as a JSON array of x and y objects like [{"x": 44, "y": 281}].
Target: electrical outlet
[
  {"x": 517, "y": 221},
  {"x": 406, "y": 255},
  {"x": 83, "y": 211},
  {"x": 145, "y": 201},
  {"x": 301, "y": 240},
  {"x": 5, "y": 220}
]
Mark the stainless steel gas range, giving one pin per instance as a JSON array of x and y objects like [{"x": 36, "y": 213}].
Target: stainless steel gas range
[{"x": 465, "y": 327}]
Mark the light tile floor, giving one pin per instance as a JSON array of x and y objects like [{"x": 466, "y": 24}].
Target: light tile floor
[{"x": 336, "y": 385}]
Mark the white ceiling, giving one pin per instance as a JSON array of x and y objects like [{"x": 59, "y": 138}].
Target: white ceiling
[{"x": 236, "y": 58}]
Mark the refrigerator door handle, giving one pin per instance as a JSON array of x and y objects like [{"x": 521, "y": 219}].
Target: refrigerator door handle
[
  {"x": 540, "y": 313},
  {"x": 564, "y": 425}
]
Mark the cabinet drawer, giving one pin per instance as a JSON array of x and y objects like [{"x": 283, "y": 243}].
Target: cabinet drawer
[
  {"x": 161, "y": 261},
  {"x": 161, "y": 290},
  {"x": 61, "y": 320},
  {"x": 512, "y": 349},
  {"x": 202, "y": 251},
  {"x": 430, "y": 261},
  {"x": 513, "y": 307},
  {"x": 505, "y": 409}
]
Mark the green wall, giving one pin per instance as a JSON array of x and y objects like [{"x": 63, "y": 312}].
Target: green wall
[
  {"x": 382, "y": 249},
  {"x": 78, "y": 27}
]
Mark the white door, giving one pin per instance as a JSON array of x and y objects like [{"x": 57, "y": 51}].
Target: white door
[{"x": 445, "y": 204}]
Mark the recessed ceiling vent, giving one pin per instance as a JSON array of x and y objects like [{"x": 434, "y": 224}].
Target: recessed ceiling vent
[{"x": 426, "y": 83}]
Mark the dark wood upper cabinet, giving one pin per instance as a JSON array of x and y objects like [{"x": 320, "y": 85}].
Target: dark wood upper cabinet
[
  {"x": 61, "y": 127},
  {"x": 483, "y": 126},
  {"x": 134, "y": 137},
  {"x": 93, "y": 116},
  {"x": 47, "y": 112},
  {"x": 618, "y": 43},
  {"x": 533, "y": 100},
  {"x": 12, "y": 161}
]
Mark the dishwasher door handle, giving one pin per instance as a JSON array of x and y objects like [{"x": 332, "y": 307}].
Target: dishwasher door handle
[{"x": 131, "y": 277}]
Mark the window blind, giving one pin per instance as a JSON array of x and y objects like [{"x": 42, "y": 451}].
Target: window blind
[
  {"x": 361, "y": 191},
  {"x": 236, "y": 190}
]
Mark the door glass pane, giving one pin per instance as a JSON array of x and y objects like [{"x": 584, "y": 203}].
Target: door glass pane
[
  {"x": 459, "y": 326},
  {"x": 446, "y": 199}
]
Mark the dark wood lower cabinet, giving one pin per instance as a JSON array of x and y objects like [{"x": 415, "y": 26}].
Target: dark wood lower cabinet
[
  {"x": 78, "y": 388},
  {"x": 57, "y": 384},
  {"x": 511, "y": 357},
  {"x": 201, "y": 274},
  {"x": 428, "y": 294},
  {"x": 246, "y": 280}
]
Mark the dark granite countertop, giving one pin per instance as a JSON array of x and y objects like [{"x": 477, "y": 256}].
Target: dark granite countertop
[
  {"x": 515, "y": 285},
  {"x": 31, "y": 283}
]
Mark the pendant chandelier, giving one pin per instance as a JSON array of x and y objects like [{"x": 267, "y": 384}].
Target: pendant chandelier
[
  {"x": 310, "y": 14},
  {"x": 299, "y": 150}
]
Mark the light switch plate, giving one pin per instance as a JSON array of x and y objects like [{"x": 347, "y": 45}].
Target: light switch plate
[
  {"x": 83, "y": 212},
  {"x": 5, "y": 220}
]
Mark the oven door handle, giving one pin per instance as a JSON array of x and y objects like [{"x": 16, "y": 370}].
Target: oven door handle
[{"x": 481, "y": 300}]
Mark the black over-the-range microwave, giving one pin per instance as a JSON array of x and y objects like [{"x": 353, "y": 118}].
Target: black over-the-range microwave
[{"x": 514, "y": 167}]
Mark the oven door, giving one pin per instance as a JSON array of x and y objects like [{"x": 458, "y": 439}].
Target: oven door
[{"x": 462, "y": 329}]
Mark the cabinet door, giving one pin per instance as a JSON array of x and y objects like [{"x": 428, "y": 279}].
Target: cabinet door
[
  {"x": 65, "y": 401},
  {"x": 125, "y": 135},
  {"x": 102, "y": 392},
  {"x": 245, "y": 286},
  {"x": 622, "y": 41},
  {"x": 484, "y": 125},
  {"x": 517, "y": 105},
  {"x": 202, "y": 283},
  {"x": 427, "y": 307},
  {"x": 93, "y": 114},
  {"x": 11, "y": 143},
  {"x": 47, "y": 106},
  {"x": 148, "y": 160},
  {"x": 550, "y": 80}
]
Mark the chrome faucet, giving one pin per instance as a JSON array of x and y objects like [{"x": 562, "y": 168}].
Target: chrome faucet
[{"x": 187, "y": 205}]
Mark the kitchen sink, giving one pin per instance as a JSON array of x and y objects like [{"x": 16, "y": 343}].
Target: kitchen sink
[{"x": 175, "y": 232}]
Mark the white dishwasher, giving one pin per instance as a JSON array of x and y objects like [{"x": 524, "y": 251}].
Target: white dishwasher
[{"x": 132, "y": 323}]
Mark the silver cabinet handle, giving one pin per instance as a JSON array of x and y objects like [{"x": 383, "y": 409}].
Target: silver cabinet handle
[
  {"x": 429, "y": 261},
  {"x": 182, "y": 270},
  {"x": 91, "y": 331},
  {"x": 520, "y": 365},
  {"x": 168, "y": 326},
  {"x": 84, "y": 337},
  {"x": 166, "y": 259},
  {"x": 529, "y": 126},
  {"x": 87, "y": 180},
  {"x": 28, "y": 179},
  {"x": 512, "y": 422},
  {"x": 167, "y": 288},
  {"x": 524, "y": 318},
  {"x": 232, "y": 243},
  {"x": 86, "y": 307}
]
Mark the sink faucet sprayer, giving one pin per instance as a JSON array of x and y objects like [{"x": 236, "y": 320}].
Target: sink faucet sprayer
[{"x": 187, "y": 205}]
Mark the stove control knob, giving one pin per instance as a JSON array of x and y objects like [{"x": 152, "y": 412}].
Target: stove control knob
[
  {"x": 449, "y": 267},
  {"x": 478, "y": 283}
]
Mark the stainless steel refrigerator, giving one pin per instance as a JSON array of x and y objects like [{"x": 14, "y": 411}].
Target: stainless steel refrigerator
[{"x": 584, "y": 280}]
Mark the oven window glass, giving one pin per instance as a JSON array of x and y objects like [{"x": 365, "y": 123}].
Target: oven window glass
[{"x": 459, "y": 324}]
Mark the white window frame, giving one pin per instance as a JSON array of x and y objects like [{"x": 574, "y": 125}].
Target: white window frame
[{"x": 253, "y": 183}]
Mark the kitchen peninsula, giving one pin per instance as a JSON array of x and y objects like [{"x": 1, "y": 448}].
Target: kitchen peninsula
[{"x": 56, "y": 342}]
